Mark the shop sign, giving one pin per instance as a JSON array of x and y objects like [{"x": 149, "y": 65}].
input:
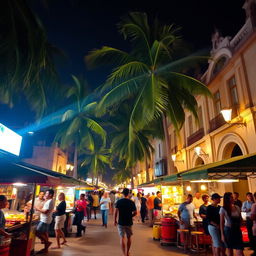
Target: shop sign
[{"x": 10, "y": 141}]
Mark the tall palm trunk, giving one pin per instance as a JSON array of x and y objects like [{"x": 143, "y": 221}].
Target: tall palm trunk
[
  {"x": 75, "y": 162},
  {"x": 170, "y": 164}
]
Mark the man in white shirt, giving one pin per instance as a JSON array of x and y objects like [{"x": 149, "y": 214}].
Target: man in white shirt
[
  {"x": 45, "y": 220},
  {"x": 197, "y": 200}
]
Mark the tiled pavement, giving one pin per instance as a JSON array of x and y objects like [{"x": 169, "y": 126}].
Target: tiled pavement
[{"x": 99, "y": 241}]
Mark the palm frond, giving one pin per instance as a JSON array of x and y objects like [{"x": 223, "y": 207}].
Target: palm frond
[{"x": 105, "y": 56}]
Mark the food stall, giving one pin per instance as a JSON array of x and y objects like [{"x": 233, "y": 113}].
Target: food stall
[
  {"x": 230, "y": 175},
  {"x": 22, "y": 226}
]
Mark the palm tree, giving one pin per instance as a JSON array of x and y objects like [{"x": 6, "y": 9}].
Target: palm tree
[
  {"x": 27, "y": 65},
  {"x": 80, "y": 128},
  {"x": 122, "y": 174},
  {"x": 140, "y": 148},
  {"x": 96, "y": 158},
  {"x": 148, "y": 73}
]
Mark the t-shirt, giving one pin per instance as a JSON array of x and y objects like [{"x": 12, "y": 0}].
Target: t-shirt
[
  {"x": 150, "y": 202},
  {"x": 125, "y": 207},
  {"x": 213, "y": 214},
  {"x": 157, "y": 202},
  {"x": 90, "y": 199},
  {"x": 247, "y": 206},
  {"x": 143, "y": 203},
  {"x": 203, "y": 210},
  {"x": 187, "y": 211},
  {"x": 106, "y": 202},
  {"x": 47, "y": 217},
  {"x": 2, "y": 220},
  {"x": 61, "y": 208},
  {"x": 238, "y": 203},
  {"x": 39, "y": 203},
  {"x": 95, "y": 201},
  {"x": 234, "y": 213}
]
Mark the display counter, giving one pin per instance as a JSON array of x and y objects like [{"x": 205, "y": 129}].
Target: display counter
[
  {"x": 172, "y": 197},
  {"x": 22, "y": 243}
]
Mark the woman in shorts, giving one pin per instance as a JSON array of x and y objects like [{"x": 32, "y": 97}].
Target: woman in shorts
[{"x": 60, "y": 218}]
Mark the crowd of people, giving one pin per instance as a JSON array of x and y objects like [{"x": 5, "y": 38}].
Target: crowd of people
[{"x": 223, "y": 223}]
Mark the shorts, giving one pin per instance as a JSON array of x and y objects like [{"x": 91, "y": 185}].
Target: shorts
[
  {"x": 215, "y": 235},
  {"x": 42, "y": 227},
  {"x": 59, "y": 222},
  {"x": 122, "y": 230}
]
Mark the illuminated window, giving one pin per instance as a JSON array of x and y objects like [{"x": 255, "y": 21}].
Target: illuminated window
[
  {"x": 217, "y": 103},
  {"x": 233, "y": 91}
]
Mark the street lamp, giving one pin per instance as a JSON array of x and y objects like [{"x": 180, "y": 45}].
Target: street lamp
[
  {"x": 227, "y": 115},
  {"x": 174, "y": 156},
  {"x": 200, "y": 152}
]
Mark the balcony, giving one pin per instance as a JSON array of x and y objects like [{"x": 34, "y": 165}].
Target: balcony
[
  {"x": 216, "y": 122},
  {"x": 199, "y": 134}
]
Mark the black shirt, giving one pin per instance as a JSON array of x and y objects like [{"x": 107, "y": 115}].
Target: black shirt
[
  {"x": 238, "y": 203},
  {"x": 157, "y": 201},
  {"x": 125, "y": 207},
  {"x": 143, "y": 203},
  {"x": 61, "y": 208},
  {"x": 90, "y": 199},
  {"x": 213, "y": 214},
  {"x": 203, "y": 210}
]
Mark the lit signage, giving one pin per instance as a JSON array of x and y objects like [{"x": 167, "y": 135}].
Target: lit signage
[{"x": 9, "y": 140}]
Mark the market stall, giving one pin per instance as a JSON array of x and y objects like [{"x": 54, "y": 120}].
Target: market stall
[
  {"x": 230, "y": 175},
  {"x": 22, "y": 226}
]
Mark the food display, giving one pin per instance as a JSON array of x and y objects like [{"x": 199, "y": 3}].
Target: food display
[
  {"x": 9, "y": 191},
  {"x": 172, "y": 197},
  {"x": 14, "y": 218}
]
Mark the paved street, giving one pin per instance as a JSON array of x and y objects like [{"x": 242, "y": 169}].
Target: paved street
[{"x": 99, "y": 241}]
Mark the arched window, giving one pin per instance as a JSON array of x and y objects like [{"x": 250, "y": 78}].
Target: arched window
[{"x": 220, "y": 63}]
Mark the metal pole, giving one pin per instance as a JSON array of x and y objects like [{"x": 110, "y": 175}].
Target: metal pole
[{"x": 31, "y": 211}]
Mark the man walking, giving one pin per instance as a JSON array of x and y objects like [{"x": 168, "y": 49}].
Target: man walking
[
  {"x": 45, "y": 220},
  {"x": 125, "y": 210}
]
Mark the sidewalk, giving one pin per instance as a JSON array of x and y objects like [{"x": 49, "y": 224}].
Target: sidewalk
[{"x": 99, "y": 241}]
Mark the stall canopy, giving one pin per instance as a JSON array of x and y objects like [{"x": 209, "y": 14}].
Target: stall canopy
[
  {"x": 12, "y": 171},
  {"x": 239, "y": 167},
  {"x": 161, "y": 181}
]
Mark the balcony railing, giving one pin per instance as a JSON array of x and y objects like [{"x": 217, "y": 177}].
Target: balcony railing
[
  {"x": 216, "y": 122},
  {"x": 195, "y": 136}
]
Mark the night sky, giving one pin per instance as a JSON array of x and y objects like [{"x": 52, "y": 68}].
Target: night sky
[{"x": 77, "y": 26}]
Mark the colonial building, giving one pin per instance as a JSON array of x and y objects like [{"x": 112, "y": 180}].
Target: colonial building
[
  {"x": 231, "y": 77},
  {"x": 51, "y": 158}
]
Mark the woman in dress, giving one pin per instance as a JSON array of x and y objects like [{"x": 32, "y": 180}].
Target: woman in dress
[
  {"x": 230, "y": 224},
  {"x": 60, "y": 218}
]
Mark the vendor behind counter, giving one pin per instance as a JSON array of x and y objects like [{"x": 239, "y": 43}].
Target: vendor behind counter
[{"x": 3, "y": 203}]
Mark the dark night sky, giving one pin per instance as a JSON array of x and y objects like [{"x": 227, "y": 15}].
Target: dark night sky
[{"x": 77, "y": 26}]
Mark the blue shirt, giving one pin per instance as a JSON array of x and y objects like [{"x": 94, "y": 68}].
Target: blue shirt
[
  {"x": 106, "y": 202},
  {"x": 247, "y": 206}
]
